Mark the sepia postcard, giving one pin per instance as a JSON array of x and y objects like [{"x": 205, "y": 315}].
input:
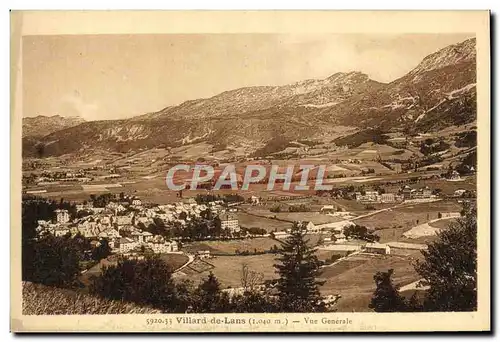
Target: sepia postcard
[{"x": 258, "y": 171}]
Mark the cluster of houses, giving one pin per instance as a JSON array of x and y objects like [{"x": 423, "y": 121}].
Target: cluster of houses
[
  {"x": 75, "y": 176},
  {"x": 119, "y": 223},
  {"x": 374, "y": 196},
  {"x": 139, "y": 240},
  {"x": 123, "y": 238},
  {"x": 336, "y": 228},
  {"x": 406, "y": 193},
  {"x": 421, "y": 193},
  {"x": 338, "y": 240}
]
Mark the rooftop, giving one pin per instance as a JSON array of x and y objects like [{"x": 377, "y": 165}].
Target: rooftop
[
  {"x": 228, "y": 217},
  {"x": 376, "y": 245}
]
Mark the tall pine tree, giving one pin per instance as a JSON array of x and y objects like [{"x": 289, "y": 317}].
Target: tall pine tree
[
  {"x": 298, "y": 267},
  {"x": 386, "y": 297},
  {"x": 208, "y": 297},
  {"x": 449, "y": 267},
  {"x": 145, "y": 282}
]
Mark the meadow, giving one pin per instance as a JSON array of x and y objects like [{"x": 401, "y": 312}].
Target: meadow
[
  {"x": 231, "y": 246},
  {"x": 352, "y": 278},
  {"x": 44, "y": 300},
  {"x": 228, "y": 269}
]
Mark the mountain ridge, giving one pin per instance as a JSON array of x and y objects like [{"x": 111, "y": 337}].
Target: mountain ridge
[
  {"x": 440, "y": 89},
  {"x": 42, "y": 125}
]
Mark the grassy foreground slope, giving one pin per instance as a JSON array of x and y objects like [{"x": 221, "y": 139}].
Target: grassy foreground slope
[{"x": 44, "y": 300}]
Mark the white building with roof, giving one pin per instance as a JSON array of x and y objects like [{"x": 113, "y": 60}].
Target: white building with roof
[
  {"x": 328, "y": 209},
  {"x": 62, "y": 215},
  {"x": 126, "y": 244},
  {"x": 229, "y": 221},
  {"x": 336, "y": 226},
  {"x": 377, "y": 248},
  {"x": 61, "y": 230},
  {"x": 161, "y": 245},
  {"x": 136, "y": 201},
  {"x": 255, "y": 200}
]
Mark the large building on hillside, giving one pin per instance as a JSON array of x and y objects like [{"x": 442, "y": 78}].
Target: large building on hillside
[
  {"x": 127, "y": 244},
  {"x": 229, "y": 221},
  {"x": 377, "y": 248},
  {"x": 62, "y": 216}
]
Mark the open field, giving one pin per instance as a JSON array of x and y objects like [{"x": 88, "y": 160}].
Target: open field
[
  {"x": 230, "y": 246},
  {"x": 227, "y": 269},
  {"x": 408, "y": 216},
  {"x": 151, "y": 187},
  {"x": 324, "y": 255},
  {"x": 396, "y": 234},
  {"x": 249, "y": 221},
  {"x": 447, "y": 187},
  {"x": 442, "y": 224},
  {"x": 314, "y": 217},
  {"x": 353, "y": 278},
  {"x": 197, "y": 266},
  {"x": 390, "y": 225},
  {"x": 174, "y": 260}
]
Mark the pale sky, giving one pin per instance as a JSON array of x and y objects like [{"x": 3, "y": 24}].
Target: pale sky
[{"x": 119, "y": 76}]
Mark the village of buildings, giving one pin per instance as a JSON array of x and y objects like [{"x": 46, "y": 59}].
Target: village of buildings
[{"x": 120, "y": 221}]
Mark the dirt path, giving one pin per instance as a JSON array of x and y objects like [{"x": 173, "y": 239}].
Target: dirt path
[
  {"x": 413, "y": 286},
  {"x": 190, "y": 260},
  {"x": 400, "y": 205},
  {"x": 424, "y": 229}
]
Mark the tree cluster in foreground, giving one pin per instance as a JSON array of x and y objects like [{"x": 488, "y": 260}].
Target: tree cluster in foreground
[
  {"x": 448, "y": 270},
  {"x": 55, "y": 260}
]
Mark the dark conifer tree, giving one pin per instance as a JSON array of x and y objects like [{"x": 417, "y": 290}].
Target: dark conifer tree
[
  {"x": 449, "y": 270},
  {"x": 102, "y": 251},
  {"x": 145, "y": 282},
  {"x": 55, "y": 261},
  {"x": 208, "y": 297},
  {"x": 386, "y": 297},
  {"x": 298, "y": 268},
  {"x": 449, "y": 267}
]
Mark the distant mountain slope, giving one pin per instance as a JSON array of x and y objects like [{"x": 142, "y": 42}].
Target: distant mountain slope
[
  {"x": 40, "y": 126},
  {"x": 450, "y": 55},
  {"x": 438, "y": 85},
  {"x": 437, "y": 93}
]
